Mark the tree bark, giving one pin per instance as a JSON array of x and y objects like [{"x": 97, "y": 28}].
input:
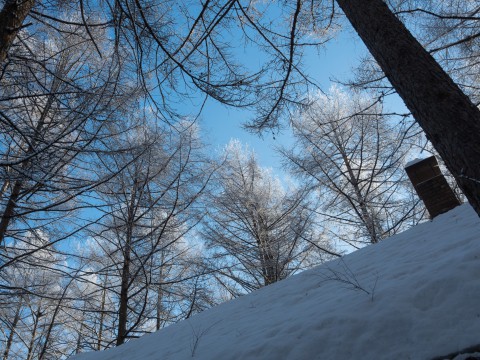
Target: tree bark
[
  {"x": 12, "y": 16},
  {"x": 9, "y": 211},
  {"x": 36, "y": 319},
  {"x": 52, "y": 323},
  {"x": 102, "y": 314},
  {"x": 13, "y": 329},
  {"x": 18, "y": 185},
  {"x": 125, "y": 284},
  {"x": 448, "y": 117},
  {"x": 266, "y": 257},
  {"x": 364, "y": 214},
  {"x": 159, "y": 306},
  {"x": 123, "y": 308}
]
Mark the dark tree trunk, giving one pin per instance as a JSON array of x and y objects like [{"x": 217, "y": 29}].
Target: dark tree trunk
[
  {"x": 123, "y": 307},
  {"x": 36, "y": 320},
  {"x": 52, "y": 323},
  {"x": 12, "y": 17},
  {"x": 79, "y": 339},
  {"x": 102, "y": 314},
  {"x": 363, "y": 212},
  {"x": 448, "y": 117},
  {"x": 9, "y": 211},
  {"x": 13, "y": 329},
  {"x": 125, "y": 284},
  {"x": 159, "y": 306},
  {"x": 267, "y": 259}
]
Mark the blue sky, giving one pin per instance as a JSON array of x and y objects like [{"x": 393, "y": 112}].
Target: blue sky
[{"x": 336, "y": 61}]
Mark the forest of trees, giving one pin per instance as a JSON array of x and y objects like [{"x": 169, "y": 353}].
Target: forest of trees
[{"x": 117, "y": 219}]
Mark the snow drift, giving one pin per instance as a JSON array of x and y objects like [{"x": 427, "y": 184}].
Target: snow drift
[{"x": 415, "y": 295}]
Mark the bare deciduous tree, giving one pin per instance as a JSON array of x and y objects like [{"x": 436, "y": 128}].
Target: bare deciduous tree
[
  {"x": 150, "y": 207},
  {"x": 259, "y": 231},
  {"x": 354, "y": 157}
]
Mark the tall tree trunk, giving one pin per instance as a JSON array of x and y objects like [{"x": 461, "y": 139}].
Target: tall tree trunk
[
  {"x": 4, "y": 186},
  {"x": 102, "y": 314},
  {"x": 448, "y": 117},
  {"x": 123, "y": 308},
  {"x": 36, "y": 320},
  {"x": 52, "y": 323},
  {"x": 9, "y": 211},
  {"x": 79, "y": 338},
  {"x": 267, "y": 259},
  {"x": 12, "y": 16},
  {"x": 125, "y": 283},
  {"x": 13, "y": 328},
  {"x": 159, "y": 307},
  {"x": 363, "y": 214}
]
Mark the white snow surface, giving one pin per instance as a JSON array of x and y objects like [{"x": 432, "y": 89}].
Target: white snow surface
[
  {"x": 413, "y": 162},
  {"x": 415, "y": 295}
]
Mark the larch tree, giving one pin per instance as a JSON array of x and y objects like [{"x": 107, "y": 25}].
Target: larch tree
[
  {"x": 35, "y": 292},
  {"x": 353, "y": 156},
  {"x": 149, "y": 207},
  {"x": 258, "y": 231},
  {"x": 57, "y": 105}
]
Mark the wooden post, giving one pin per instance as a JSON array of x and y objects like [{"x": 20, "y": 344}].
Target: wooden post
[{"x": 431, "y": 186}]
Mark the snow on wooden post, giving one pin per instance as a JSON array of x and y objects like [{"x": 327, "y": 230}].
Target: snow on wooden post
[{"x": 431, "y": 186}]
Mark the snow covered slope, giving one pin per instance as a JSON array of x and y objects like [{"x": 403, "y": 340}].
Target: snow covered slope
[{"x": 413, "y": 296}]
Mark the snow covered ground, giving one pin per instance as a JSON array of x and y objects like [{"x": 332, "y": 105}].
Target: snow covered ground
[{"x": 413, "y": 296}]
